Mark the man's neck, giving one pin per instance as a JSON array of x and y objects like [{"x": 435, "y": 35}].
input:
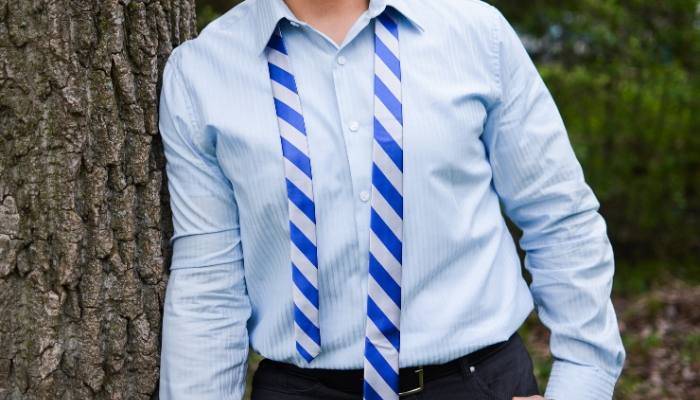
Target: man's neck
[{"x": 332, "y": 17}]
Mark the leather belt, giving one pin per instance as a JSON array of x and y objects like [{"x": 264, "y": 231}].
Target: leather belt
[{"x": 411, "y": 379}]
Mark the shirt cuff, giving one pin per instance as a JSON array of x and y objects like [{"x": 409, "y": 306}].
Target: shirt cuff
[
  {"x": 206, "y": 249},
  {"x": 569, "y": 381}
]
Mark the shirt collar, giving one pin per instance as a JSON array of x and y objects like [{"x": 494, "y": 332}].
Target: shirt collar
[{"x": 267, "y": 13}]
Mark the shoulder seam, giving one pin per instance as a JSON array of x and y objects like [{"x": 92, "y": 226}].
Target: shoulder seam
[
  {"x": 191, "y": 115},
  {"x": 497, "y": 33},
  {"x": 180, "y": 79}
]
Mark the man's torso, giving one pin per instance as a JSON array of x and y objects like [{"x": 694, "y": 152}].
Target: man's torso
[{"x": 460, "y": 266}]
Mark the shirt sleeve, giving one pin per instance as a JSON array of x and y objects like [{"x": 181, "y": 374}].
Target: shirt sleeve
[
  {"x": 541, "y": 185},
  {"x": 205, "y": 340}
]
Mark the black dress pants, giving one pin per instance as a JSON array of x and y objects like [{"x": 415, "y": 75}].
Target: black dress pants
[{"x": 503, "y": 374}]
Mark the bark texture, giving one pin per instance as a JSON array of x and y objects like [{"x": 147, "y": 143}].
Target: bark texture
[{"x": 84, "y": 217}]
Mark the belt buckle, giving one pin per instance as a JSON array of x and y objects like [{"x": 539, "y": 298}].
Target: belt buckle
[{"x": 419, "y": 371}]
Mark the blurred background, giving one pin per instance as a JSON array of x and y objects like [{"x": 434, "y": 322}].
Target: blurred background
[{"x": 625, "y": 77}]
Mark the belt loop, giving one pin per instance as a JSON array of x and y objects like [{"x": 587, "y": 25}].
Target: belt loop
[
  {"x": 463, "y": 364},
  {"x": 466, "y": 365}
]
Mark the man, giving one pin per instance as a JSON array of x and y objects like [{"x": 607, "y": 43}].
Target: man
[{"x": 336, "y": 171}]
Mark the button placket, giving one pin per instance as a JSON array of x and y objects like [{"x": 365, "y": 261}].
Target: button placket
[
  {"x": 364, "y": 196},
  {"x": 352, "y": 130}
]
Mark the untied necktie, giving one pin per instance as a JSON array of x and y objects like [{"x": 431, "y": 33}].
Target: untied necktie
[{"x": 382, "y": 339}]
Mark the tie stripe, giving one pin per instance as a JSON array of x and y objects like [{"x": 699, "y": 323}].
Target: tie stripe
[
  {"x": 382, "y": 334},
  {"x": 390, "y": 193},
  {"x": 392, "y": 290},
  {"x": 283, "y": 77},
  {"x": 388, "y": 142},
  {"x": 382, "y": 341},
  {"x": 391, "y": 265},
  {"x": 392, "y": 104},
  {"x": 302, "y": 211},
  {"x": 387, "y": 57},
  {"x": 390, "y": 25}
]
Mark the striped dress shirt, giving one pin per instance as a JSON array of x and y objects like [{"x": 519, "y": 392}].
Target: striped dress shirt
[{"x": 482, "y": 137}]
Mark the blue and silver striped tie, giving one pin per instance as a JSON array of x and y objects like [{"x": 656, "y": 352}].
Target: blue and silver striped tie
[
  {"x": 386, "y": 220},
  {"x": 381, "y": 366},
  {"x": 302, "y": 212}
]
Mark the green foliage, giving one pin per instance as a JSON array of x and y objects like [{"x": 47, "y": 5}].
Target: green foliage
[
  {"x": 691, "y": 347},
  {"x": 644, "y": 276},
  {"x": 624, "y": 75},
  {"x": 205, "y": 14},
  {"x": 632, "y": 129},
  {"x": 208, "y": 10}
]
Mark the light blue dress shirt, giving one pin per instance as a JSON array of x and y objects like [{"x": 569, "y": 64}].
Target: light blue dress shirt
[{"x": 481, "y": 132}]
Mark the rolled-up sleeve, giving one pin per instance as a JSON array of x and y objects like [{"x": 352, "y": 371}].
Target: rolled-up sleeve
[
  {"x": 542, "y": 189},
  {"x": 204, "y": 340}
]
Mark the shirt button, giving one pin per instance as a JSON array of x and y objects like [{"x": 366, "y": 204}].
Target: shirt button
[
  {"x": 364, "y": 196},
  {"x": 294, "y": 24},
  {"x": 341, "y": 60},
  {"x": 354, "y": 126}
]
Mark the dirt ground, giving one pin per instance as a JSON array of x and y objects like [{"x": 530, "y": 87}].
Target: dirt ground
[{"x": 661, "y": 334}]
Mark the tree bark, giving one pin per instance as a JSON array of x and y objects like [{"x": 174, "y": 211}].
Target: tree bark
[{"x": 84, "y": 216}]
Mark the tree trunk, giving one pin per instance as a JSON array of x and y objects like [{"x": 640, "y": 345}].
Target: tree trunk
[{"x": 84, "y": 216}]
